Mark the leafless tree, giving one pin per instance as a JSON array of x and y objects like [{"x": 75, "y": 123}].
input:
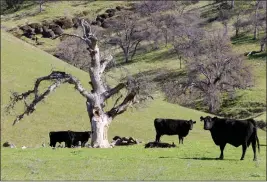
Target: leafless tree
[
  {"x": 74, "y": 51},
  {"x": 238, "y": 21},
  {"x": 232, "y": 4},
  {"x": 147, "y": 8},
  {"x": 95, "y": 99},
  {"x": 212, "y": 70},
  {"x": 257, "y": 5},
  {"x": 41, "y": 3},
  {"x": 186, "y": 34},
  {"x": 127, "y": 32}
]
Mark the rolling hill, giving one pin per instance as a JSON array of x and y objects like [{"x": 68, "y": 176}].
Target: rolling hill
[{"x": 22, "y": 63}]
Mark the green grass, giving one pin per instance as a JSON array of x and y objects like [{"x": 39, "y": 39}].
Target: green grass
[
  {"x": 195, "y": 160},
  {"x": 58, "y": 9},
  {"x": 65, "y": 109}
]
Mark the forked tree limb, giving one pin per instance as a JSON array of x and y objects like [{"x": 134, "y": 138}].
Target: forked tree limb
[
  {"x": 31, "y": 108},
  {"x": 113, "y": 91},
  {"x": 59, "y": 78},
  {"x": 129, "y": 100}
]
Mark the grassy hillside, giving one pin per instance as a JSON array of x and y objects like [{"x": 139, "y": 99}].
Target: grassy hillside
[{"x": 65, "y": 109}]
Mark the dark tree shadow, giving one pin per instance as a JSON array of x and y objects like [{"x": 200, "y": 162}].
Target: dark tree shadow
[
  {"x": 258, "y": 56},
  {"x": 208, "y": 158},
  {"x": 243, "y": 39}
]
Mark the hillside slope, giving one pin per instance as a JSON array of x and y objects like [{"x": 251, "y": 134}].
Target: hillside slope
[{"x": 65, "y": 109}]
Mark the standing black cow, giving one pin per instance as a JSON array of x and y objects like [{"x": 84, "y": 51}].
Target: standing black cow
[
  {"x": 173, "y": 127},
  {"x": 60, "y": 136},
  {"x": 71, "y": 138},
  {"x": 80, "y": 136},
  {"x": 234, "y": 132}
]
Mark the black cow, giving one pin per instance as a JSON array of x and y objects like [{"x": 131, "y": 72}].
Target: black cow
[
  {"x": 60, "y": 136},
  {"x": 71, "y": 138},
  {"x": 159, "y": 145},
  {"x": 80, "y": 136},
  {"x": 173, "y": 127},
  {"x": 234, "y": 132}
]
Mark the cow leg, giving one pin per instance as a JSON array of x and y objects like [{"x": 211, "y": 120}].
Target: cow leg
[
  {"x": 158, "y": 137},
  {"x": 222, "y": 148},
  {"x": 180, "y": 139},
  {"x": 254, "y": 149},
  {"x": 68, "y": 144},
  {"x": 52, "y": 144},
  {"x": 244, "y": 148}
]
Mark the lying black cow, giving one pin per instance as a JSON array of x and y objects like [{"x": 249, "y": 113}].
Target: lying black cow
[
  {"x": 173, "y": 127},
  {"x": 159, "y": 145},
  {"x": 71, "y": 138},
  {"x": 234, "y": 132}
]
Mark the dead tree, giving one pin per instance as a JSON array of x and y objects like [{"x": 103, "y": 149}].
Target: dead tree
[
  {"x": 212, "y": 70},
  {"x": 128, "y": 33},
  {"x": 95, "y": 99}
]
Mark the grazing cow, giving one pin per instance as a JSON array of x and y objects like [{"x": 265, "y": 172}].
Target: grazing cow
[
  {"x": 173, "y": 127},
  {"x": 83, "y": 137},
  {"x": 234, "y": 132},
  {"x": 60, "y": 136},
  {"x": 69, "y": 137}
]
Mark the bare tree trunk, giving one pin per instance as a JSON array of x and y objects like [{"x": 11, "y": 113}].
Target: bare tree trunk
[
  {"x": 236, "y": 32},
  {"x": 256, "y": 20},
  {"x": 233, "y": 4},
  {"x": 100, "y": 125},
  {"x": 225, "y": 28},
  {"x": 41, "y": 2},
  {"x": 135, "y": 48},
  {"x": 126, "y": 55},
  {"x": 180, "y": 58},
  {"x": 262, "y": 47}
]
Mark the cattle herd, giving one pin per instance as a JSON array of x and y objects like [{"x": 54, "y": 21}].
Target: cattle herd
[{"x": 223, "y": 131}]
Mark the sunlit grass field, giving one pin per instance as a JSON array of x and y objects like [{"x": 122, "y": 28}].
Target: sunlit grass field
[{"x": 65, "y": 109}]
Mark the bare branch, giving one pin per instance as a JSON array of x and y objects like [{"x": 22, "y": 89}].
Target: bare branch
[
  {"x": 31, "y": 108},
  {"x": 105, "y": 62},
  {"x": 129, "y": 100},
  {"x": 58, "y": 77},
  {"x": 113, "y": 91}
]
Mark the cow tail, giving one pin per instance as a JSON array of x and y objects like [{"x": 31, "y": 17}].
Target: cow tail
[{"x": 257, "y": 140}]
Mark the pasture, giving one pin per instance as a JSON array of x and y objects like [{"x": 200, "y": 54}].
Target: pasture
[
  {"x": 65, "y": 109},
  {"x": 195, "y": 160}
]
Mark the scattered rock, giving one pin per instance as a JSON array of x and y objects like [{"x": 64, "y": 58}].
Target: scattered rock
[
  {"x": 27, "y": 31},
  {"x": 12, "y": 146},
  {"x": 98, "y": 18},
  {"x": 104, "y": 16},
  {"x": 56, "y": 29},
  {"x": 110, "y": 10},
  {"x": 119, "y": 8},
  {"x": 6, "y": 144},
  {"x": 111, "y": 14},
  {"x": 76, "y": 21},
  {"x": 48, "y": 33},
  {"x": 64, "y": 22},
  {"x": 38, "y": 28}
]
